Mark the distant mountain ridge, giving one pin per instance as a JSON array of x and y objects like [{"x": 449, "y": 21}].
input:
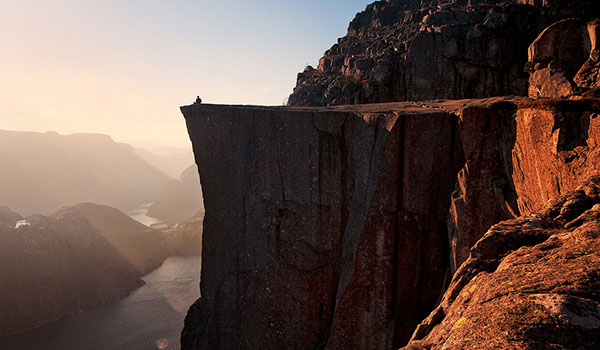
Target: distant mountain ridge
[{"x": 41, "y": 172}]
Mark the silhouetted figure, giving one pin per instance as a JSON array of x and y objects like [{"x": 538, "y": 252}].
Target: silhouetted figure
[{"x": 198, "y": 100}]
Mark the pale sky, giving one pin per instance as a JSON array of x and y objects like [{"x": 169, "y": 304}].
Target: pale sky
[{"x": 123, "y": 67}]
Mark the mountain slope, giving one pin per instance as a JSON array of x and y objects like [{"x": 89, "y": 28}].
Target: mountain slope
[
  {"x": 143, "y": 247},
  {"x": 54, "y": 266},
  {"x": 407, "y": 50}
]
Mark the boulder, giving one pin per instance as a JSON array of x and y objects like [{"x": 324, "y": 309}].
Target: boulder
[
  {"x": 563, "y": 47},
  {"x": 548, "y": 83}
]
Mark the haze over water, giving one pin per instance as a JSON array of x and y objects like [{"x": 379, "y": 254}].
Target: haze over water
[{"x": 151, "y": 317}]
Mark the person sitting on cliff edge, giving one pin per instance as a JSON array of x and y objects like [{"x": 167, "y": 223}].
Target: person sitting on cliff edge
[{"x": 198, "y": 100}]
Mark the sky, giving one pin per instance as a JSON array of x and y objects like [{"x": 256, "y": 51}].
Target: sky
[{"x": 123, "y": 67}]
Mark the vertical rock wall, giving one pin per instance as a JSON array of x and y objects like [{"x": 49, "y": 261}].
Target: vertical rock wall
[{"x": 322, "y": 227}]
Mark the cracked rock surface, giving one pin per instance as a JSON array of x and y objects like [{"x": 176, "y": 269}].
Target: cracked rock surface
[{"x": 529, "y": 283}]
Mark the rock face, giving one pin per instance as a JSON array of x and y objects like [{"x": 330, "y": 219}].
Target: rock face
[
  {"x": 350, "y": 248},
  {"x": 588, "y": 76},
  {"x": 325, "y": 241},
  {"x": 518, "y": 161},
  {"x": 399, "y": 50},
  {"x": 529, "y": 283},
  {"x": 563, "y": 60},
  {"x": 340, "y": 227}
]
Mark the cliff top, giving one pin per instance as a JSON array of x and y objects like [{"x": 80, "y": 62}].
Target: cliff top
[{"x": 408, "y": 107}]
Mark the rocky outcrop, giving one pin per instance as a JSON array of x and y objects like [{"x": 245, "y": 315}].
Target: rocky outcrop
[
  {"x": 338, "y": 242},
  {"x": 353, "y": 243},
  {"x": 588, "y": 77},
  {"x": 399, "y": 50},
  {"x": 517, "y": 161},
  {"x": 179, "y": 199},
  {"x": 529, "y": 283},
  {"x": 563, "y": 60}
]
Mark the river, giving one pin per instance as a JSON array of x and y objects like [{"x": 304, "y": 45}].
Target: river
[
  {"x": 139, "y": 215},
  {"x": 151, "y": 317}
]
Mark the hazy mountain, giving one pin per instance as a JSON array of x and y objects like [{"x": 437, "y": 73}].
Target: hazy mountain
[
  {"x": 145, "y": 248},
  {"x": 54, "y": 266},
  {"x": 179, "y": 199},
  {"x": 75, "y": 259},
  {"x": 170, "y": 160},
  {"x": 40, "y": 172}
]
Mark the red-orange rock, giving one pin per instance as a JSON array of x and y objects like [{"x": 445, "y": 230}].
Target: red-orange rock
[
  {"x": 529, "y": 283},
  {"x": 589, "y": 75}
]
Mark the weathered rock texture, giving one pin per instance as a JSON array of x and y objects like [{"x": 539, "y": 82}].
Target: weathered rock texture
[
  {"x": 304, "y": 219},
  {"x": 589, "y": 75},
  {"x": 529, "y": 283},
  {"x": 564, "y": 60},
  {"x": 399, "y": 50},
  {"x": 329, "y": 227},
  {"x": 516, "y": 162}
]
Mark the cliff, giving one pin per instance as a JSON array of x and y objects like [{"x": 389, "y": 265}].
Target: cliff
[
  {"x": 398, "y": 50},
  {"x": 341, "y": 227}
]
